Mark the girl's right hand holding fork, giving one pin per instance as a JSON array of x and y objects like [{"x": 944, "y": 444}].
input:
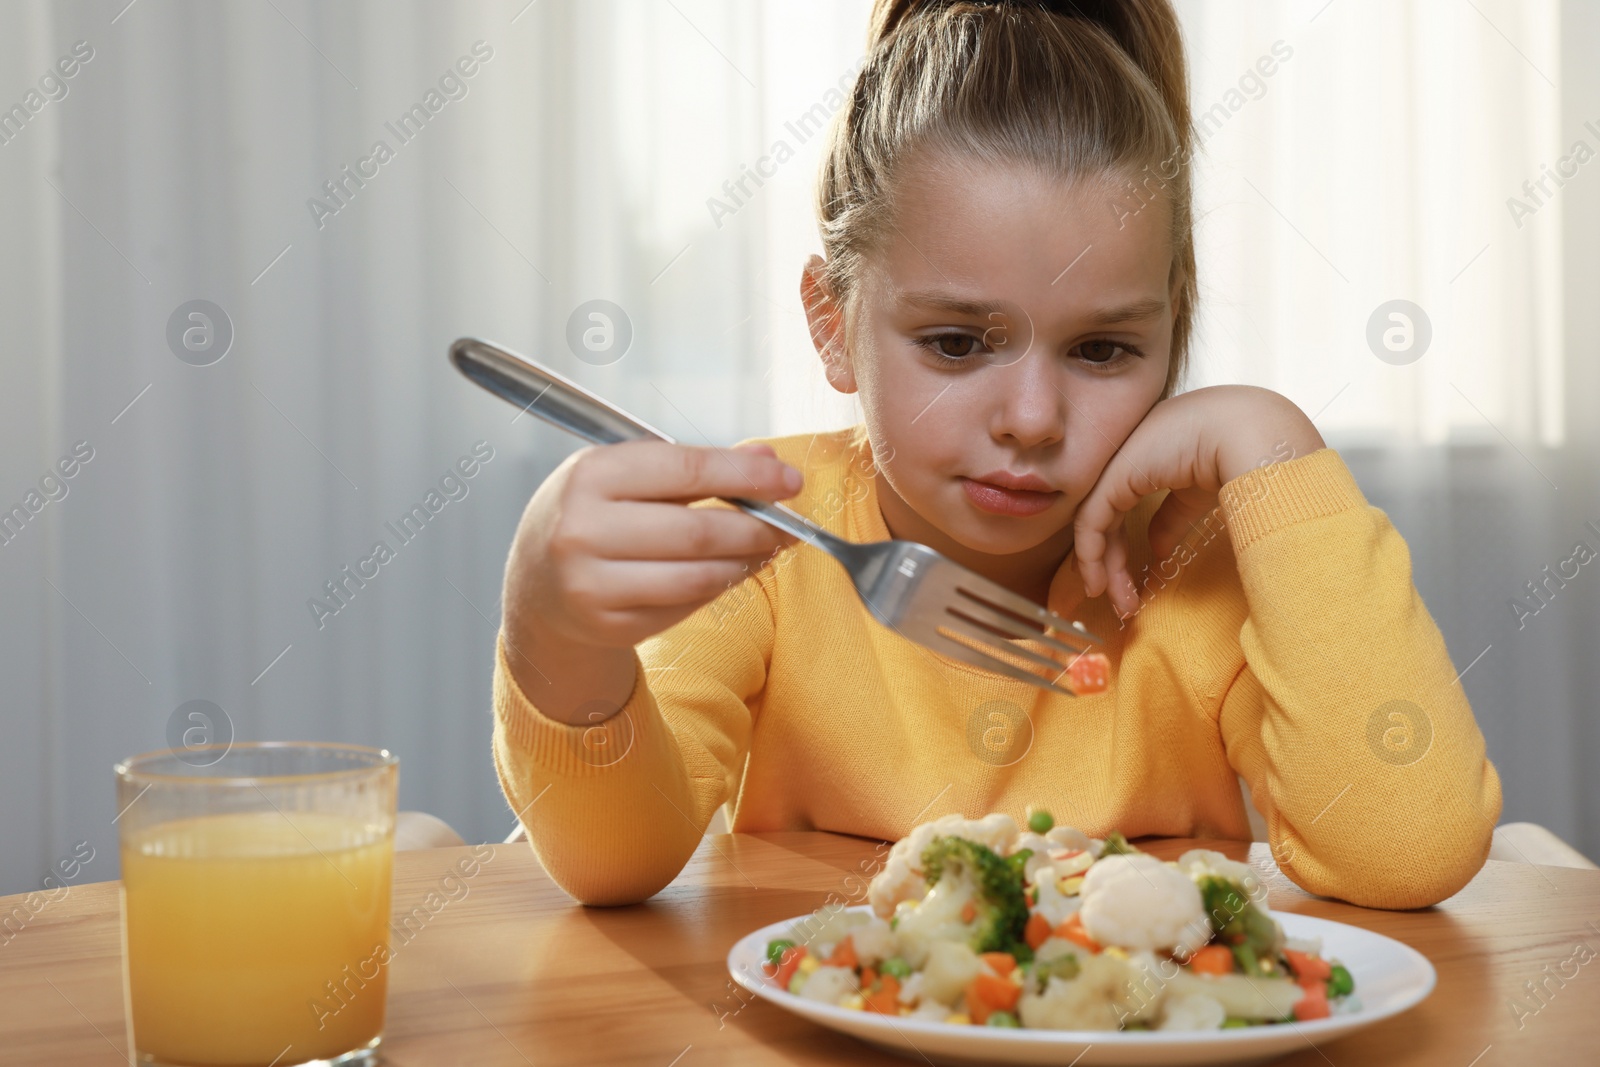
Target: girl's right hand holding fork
[{"x": 608, "y": 553}]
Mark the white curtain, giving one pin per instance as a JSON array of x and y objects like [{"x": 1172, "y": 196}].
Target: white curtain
[
  {"x": 1439, "y": 153},
  {"x": 1374, "y": 163},
  {"x": 574, "y": 163},
  {"x": 609, "y": 150}
]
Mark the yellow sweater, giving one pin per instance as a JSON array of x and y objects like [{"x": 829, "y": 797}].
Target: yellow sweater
[{"x": 1288, "y": 647}]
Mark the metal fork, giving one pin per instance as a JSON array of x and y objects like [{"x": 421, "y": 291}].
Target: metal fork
[{"x": 922, "y": 595}]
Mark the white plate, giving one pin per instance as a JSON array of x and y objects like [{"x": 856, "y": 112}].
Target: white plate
[{"x": 1390, "y": 978}]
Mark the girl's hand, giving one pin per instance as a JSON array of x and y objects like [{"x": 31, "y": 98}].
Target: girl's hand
[
  {"x": 1190, "y": 444},
  {"x": 608, "y": 552}
]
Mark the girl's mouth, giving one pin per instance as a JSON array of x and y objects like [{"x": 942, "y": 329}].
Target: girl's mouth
[{"x": 998, "y": 500}]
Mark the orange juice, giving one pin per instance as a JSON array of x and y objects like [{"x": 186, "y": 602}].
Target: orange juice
[{"x": 256, "y": 938}]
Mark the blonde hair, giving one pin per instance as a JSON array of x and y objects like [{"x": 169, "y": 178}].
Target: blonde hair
[{"x": 1090, "y": 88}]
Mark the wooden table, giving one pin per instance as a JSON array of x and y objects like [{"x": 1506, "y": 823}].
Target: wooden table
[{"x": 511, "y": 972}]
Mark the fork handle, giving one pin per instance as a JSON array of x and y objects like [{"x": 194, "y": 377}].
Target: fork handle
[{"x": 540, "y": 391}]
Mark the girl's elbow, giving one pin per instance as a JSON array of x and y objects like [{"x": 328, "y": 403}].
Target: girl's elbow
[
  {"x": 609, "y": 878},
  {"x": 614, "y": 890},
  {"x": 1418, "y": 872}
]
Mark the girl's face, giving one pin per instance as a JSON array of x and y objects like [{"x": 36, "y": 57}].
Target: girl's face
[{"x": 1009, "y": 335}]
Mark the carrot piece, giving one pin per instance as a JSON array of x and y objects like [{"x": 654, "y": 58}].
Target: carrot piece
[
  {"x": 844, "y": 954},
  {"x": 1072, "y": 929},
  {"x": 969, "y": 911},
  {"x": 1002, "y": 962},
  {"x": 1314, "y": 1005},
  {"x": 1089, "y": 673},
  {"x": 1307, "y": 968},
  {"x": 1037, "y": 932},
  {"x": 868, "y": 977},
  {"x": 883, "y": 1002},
  {"x": 987, "y": 994},
  {"x": 1213, "y": 959},
  {"x": 886, "y": 1001},
  {"x": 787, "y": 964}
]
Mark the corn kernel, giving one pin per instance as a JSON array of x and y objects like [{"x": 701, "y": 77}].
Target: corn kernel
[
  {"x": 807, "y": 965},
  {"x": 1071, "y": 886},
  {"x": 853, "y": 1002},
  {"x": 959, "y": 1018},
  {"x": 1114, "y": 951}
]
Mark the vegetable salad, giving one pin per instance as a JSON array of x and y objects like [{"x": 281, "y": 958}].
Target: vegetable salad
[{"x": 976, "y": 922}]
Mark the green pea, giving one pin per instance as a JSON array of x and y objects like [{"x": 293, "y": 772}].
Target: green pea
[
  {"x": 1003, "y": 1018},
  {"x": 895, "y": 966},
  {"x": 1340, "y": 982},
  {"x": 776, "y": 948},
  {"x": 1235, "y": 1024},
  {"x": 1041, "y": 821}
]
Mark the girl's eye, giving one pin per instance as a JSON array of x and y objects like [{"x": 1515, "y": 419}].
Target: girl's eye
[
  {"x": 951, "y": 347},
  {"x": 1105, "y": 353}
]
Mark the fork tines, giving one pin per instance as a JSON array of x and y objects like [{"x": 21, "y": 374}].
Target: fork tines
[
  {"x": 1008, "y": 621},
  {"x": 988, "y": 625}
]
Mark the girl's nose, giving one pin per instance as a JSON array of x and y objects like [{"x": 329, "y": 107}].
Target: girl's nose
[{"x": 1030, "y": 410}]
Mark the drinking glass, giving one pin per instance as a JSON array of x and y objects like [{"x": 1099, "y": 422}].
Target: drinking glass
[{"x": 255, "y": 903}]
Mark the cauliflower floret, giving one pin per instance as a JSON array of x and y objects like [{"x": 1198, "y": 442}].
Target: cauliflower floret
[
  {"x": 976, "y": 896},
  {"x": 1104, "y": 996},
  {"x": 951, "y": 965},
  {"x": 1138, "y": 902},
  {"x": 873, "y": 941},
  {"x": 1050, "y": 950},
  {"x": 921, "y": 927},
  {"x": 1071, "y": 837},
  {"x": 930, "y": 1010},
  {"x": 995, "y": 831},
  {"x": 896, "y": 883},
  {"x": 1199, "y": 862},
  {"x": 1191, "y": 1011},
  {"x": 1053, "y": 904},
  {"x": 829, "y": 984},
  {"x": 902, "y": 876},
  {"x": 910, "y": 989}
]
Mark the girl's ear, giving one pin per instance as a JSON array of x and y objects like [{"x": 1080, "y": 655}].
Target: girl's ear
[{"x": 826, "y": 319}]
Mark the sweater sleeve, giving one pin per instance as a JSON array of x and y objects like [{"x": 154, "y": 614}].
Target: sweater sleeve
[
  {"x": 614, "y": 810},
  {"x": 1347, "y": 719}
]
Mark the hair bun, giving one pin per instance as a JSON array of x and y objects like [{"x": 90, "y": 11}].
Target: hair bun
[{"x": 1147, "y": 30}]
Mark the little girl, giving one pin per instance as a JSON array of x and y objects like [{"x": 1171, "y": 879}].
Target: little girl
[{"x": 1009, "y": 287}]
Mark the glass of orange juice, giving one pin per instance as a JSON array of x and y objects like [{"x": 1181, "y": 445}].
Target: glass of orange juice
[{"x": 255, "y": 903}]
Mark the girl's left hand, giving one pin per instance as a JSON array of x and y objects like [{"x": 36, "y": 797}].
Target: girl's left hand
[{"x": 1190, "y": 444}]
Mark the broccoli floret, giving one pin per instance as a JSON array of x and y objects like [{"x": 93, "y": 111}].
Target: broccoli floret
[
  {"x": 1239, "y": 924},
  {"x": 998, "y": 890}
]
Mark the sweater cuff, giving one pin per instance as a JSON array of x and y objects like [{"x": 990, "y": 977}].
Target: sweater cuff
[
  {"x": 1269, "y": 498},
  {"x": 572, "y": 751}
]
